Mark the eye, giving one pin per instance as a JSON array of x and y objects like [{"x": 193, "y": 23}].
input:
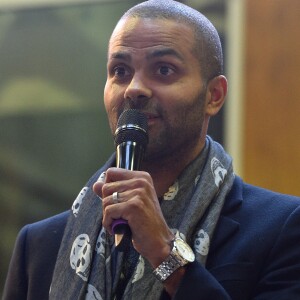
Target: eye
[
  {"x": 120, "y": 71},
  {"x": 165, "y": 70}
]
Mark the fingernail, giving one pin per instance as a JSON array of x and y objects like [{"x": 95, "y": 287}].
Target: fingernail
[{"x": 102, "y": 177}]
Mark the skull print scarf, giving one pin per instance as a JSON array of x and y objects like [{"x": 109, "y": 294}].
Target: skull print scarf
[{"x": 88, "y": 265}]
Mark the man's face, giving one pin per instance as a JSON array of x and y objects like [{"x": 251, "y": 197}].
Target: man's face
[{"x": 151, "y": 67}]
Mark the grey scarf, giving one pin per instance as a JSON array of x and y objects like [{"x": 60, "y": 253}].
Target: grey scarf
[{"x": 88, "y": 266}]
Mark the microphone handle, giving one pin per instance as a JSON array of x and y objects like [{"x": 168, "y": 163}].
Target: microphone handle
[{"x": 129, "y": 156}]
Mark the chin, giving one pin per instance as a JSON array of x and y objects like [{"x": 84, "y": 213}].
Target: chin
[{"x": 152, "y": 155}]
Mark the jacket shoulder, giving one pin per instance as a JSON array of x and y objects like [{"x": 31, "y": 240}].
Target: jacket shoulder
[
  {"x": 257, "y": 198},
  {"x": 54, "y": 225},
  {"x": 34, "y": 256}
]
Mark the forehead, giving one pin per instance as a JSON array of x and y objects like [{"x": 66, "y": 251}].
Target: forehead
[{"x": 136, "y": 34}]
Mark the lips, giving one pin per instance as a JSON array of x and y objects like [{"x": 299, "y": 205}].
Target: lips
[
  {"x": 150, "y": 115},
  {"x": 151, "y": 118}
]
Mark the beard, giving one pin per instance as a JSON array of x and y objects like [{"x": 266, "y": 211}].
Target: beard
[{"x": 180, "y": 131}]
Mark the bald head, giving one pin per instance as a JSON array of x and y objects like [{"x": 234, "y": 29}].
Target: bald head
[{"x": 206, "y": 44}]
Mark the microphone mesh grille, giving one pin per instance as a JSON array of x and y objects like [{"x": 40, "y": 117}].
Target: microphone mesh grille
[{"x": 132, "y": 126}]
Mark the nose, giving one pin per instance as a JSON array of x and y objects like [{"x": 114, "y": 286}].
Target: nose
[{"x": 137, "y": 92}]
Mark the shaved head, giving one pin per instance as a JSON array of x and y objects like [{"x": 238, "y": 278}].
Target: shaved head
[{"x": 206, "y": 44}]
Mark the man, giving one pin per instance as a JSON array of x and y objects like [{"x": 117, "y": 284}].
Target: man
[{"x": 165, "y": 60}]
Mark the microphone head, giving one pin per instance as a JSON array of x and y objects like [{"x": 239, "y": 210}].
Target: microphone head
[{"x": 132, "y": 127}]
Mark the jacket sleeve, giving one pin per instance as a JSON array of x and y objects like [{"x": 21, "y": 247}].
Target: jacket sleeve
[
  {"x": 279, "y": 275},
  {"x": 280, "y": 278},
  {"x": 17, "y": 280},
  {"x": 33, "y": 259},
  {"x": 198, "y": 281}
]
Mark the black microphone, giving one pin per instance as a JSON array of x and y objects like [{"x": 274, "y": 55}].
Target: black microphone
[{"x": 131, "y": 139}]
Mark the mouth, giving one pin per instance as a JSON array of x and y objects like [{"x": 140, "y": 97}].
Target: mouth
[{"x": 152, "y": 118}]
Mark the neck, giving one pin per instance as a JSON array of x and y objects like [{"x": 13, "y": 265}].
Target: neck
[{"x": 164, "y": 171}]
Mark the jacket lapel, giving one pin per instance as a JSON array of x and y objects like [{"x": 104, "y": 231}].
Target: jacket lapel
[{"x": 227, "y": 226}]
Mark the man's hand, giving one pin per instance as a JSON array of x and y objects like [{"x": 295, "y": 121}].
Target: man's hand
[{"x": 139, "y": 205}]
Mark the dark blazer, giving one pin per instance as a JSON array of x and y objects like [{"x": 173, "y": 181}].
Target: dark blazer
[{"x": 255, "y": 252}]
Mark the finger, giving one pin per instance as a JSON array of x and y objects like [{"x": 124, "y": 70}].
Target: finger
[
  {"x": 119, "y": 174},
  {"x": 138, "y": 182},
  {"x": 113, "y": 199},
  {"x": 124, "y": 207},
  {"x": 97, "y": 187},
  {"x": 110, "y": 214}
]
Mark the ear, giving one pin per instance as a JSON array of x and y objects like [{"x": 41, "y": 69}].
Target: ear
[{"x": 216, "y": 92}]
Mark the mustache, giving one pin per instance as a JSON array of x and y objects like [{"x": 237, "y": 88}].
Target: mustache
[
  {"x": 145, "y": 107},
  {"x": 139, "y": 104}
]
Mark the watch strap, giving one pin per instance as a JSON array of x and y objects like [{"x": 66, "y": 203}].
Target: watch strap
[
  {"x": 167, "y": 267},
  {"x": 170, "y": 264}
]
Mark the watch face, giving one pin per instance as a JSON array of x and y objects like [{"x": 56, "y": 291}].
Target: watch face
[{"x": 184, "y": 250}]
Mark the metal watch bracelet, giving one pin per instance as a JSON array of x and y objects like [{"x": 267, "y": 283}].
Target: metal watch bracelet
[{"x": 166, "y": 268}]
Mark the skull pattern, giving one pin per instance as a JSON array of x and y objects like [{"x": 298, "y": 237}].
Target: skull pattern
[
  {"x": 78, "y": 201},
  {"x": 101, "y": 241},
  {"x": 92, "y": 293},
  {"x": 218, "y": 171},
  {"x": 139, "y": 272},
  {"x": 202, "y": 242},
  {"x": 80, "y": 257},
  {"x": 172, "y": 192}
]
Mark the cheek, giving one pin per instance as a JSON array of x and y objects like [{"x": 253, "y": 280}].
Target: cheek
[
  {"x": 113, "y": 93},
  {"x": 108, "y": 97},
  {"x": 113, "y": 97},
  {"x": 112, "y": 103},
  {"x": 184, "y": 110}
]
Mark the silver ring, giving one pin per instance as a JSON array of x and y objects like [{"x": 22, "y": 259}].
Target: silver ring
[{"x": 115, "y": 197}]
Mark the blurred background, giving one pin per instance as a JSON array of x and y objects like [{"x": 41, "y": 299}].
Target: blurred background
[{"x": 53, "y": 127}]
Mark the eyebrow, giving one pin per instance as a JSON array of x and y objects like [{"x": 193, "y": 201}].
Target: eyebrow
[
  {"x": 121, "y": 55},
  {"x": 153, "y": 54},
  {"x": 164, "y": 52}
]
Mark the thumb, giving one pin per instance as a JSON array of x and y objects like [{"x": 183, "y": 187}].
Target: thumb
[{"x": 97, "y": 187}]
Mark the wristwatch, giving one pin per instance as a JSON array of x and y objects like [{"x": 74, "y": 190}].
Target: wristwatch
[{"x": 181, "y": 254}]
